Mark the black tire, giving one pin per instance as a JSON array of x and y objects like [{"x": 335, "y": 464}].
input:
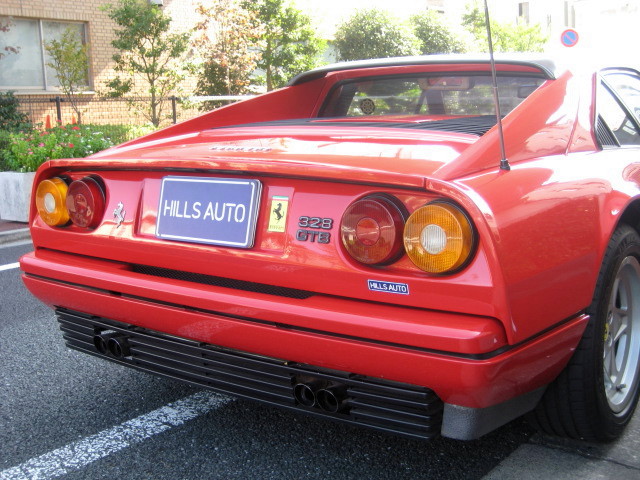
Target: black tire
[{"x": 596, "y": 394}]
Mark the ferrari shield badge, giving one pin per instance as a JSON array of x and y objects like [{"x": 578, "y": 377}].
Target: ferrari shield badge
[{"x": 278, "y": 214}]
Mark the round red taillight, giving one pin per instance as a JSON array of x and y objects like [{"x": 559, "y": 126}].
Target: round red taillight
[
  {"x": 85, "y": 203},
  {"x": 371, "y": 230}
]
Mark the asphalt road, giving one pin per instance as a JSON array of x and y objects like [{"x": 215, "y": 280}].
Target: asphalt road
[
  {"x": 68, "y": 415},
  {"x": 52, "y": 398}
]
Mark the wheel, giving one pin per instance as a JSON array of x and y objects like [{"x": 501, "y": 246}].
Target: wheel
[{"x": 596, "y": 394}]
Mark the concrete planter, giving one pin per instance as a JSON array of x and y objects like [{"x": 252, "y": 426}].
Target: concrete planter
[{"x": 15, "y": 193}]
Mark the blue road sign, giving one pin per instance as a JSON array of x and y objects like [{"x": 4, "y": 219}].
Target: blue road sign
[{"x": 569, "y": 37}]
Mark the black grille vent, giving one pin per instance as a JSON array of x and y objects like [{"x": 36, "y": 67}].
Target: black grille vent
[
  {"x": 476, "y": 125},
  {"x": 222, "y": 282},
  {"x": 383, "y": 405},
  {"x": 604, "y": 135}
]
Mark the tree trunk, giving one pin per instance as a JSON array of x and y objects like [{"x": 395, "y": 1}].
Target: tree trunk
[{"x": 154, "y": 109}]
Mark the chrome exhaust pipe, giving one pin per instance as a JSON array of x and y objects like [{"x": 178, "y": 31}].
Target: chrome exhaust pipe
[
  {"x": 118, "y": 346},
  {"x": 332, "y": 399},
  {"x": 305, "y": 393}
]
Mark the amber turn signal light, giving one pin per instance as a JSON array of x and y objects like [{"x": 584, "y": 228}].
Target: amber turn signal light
[
  {"x": 439, "y": 238},
  {"x": 51, "y": 195}
]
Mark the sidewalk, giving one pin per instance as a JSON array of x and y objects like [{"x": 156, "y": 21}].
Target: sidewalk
[
  {"x": 545, "y": 457},
  {"x": 13, "y": 231}
]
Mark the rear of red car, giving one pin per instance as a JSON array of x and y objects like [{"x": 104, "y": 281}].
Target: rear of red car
[{"x": 319, "y": 267}]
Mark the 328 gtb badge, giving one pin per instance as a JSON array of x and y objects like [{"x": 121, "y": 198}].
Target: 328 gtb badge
[{"x": 314, "y": 229}]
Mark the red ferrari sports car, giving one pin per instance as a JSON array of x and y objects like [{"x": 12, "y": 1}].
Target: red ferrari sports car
[{"x": 356, "y": 246}]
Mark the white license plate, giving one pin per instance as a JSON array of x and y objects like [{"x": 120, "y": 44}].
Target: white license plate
[{"x": 216, "y": 211}]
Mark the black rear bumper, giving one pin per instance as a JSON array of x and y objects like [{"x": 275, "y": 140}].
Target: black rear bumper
[{"x": 393, "y": 407}]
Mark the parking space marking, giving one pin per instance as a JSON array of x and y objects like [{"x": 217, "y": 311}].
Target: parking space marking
[
  {"x": 79, "y": 454},
  {"x": 9, "y": 266}
]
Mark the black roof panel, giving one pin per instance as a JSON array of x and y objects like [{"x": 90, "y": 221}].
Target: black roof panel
[{"x": 546, "y": 66}]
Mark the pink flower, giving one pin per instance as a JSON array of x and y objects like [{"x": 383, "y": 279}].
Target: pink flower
[
  {"x": 75, "y": 128},
  {"x": 71, "y": 145},
  {"x": 41, "y": 144}
]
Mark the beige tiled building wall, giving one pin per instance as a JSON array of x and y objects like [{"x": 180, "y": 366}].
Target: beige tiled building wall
[{"x": 100, "y": 32}]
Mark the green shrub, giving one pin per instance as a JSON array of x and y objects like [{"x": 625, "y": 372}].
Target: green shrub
[
  {"x": 11, "y": 121},
  {"x": 10, "y": 118},
  {"x": 5, "y": 140},
  {"x": 25, "y": 152},
  {"x": 122, "y": 133}
]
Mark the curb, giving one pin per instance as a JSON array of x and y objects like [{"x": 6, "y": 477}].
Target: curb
[{"x": 14, "y": 235}]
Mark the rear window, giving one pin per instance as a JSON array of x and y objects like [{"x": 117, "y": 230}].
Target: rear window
[{"x": 449, "y": 95}]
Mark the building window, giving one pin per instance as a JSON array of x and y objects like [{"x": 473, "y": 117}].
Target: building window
[{"x": 27, "y": 69}]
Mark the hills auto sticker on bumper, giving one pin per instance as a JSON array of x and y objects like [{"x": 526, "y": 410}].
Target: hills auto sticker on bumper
[{"x": 388, "y": 287}]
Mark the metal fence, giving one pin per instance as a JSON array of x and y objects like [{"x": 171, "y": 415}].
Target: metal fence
[{"x": 94, "y": 109}]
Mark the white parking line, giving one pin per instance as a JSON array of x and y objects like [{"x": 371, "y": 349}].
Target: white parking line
[
  {"x": 79, "y": 454},
  {"x": 9, "y": 266}
]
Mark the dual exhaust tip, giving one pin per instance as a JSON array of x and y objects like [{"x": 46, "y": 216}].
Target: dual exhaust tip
[
  {"x": 331, "y": 399},
  {"x": 316, "y": 394},
  {"x": 112, "y": 343}
]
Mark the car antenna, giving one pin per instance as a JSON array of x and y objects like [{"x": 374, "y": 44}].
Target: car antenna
[{"x": 504, "y": 163}]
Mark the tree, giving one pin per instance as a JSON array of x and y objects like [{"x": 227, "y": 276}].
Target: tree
[
  {"x": 506, "y": 37},
  {"x": 5, "y": 26},
  {"x": 290, "y": 44},
  {"x": 150, "y": 57},
  {"x": 374, "y": 33},
  {"x": 70, "y": 61},
  {"x": 228, "y": 40},
  {"x": 11, "y": 118},
  {"x": 434, "y": 35}
]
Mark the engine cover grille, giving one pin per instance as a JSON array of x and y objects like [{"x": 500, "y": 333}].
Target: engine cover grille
[{"x": 388, "y": 406}]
